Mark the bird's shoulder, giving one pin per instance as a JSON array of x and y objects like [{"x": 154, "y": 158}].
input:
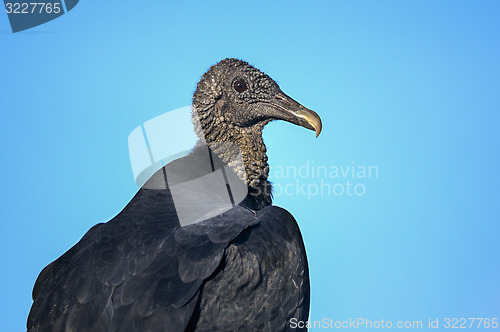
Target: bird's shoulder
[
  {"x": 141, "y": 265},
  {"x": 263, "y": 280}
]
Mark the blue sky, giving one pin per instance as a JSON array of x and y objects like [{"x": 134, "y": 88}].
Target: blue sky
[{"x": 411, "y": 88}]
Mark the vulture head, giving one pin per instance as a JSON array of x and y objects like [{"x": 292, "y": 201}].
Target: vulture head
[{"x": 232, "y": 104}]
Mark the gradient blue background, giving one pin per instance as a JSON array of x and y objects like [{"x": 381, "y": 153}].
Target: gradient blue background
[{"x": 411, "y": 87}]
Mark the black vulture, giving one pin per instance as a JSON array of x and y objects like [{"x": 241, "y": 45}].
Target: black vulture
[{"x": 243, "y": 268}]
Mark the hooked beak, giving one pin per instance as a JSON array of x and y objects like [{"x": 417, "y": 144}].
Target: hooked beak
[{"x": 291, "y": 111}]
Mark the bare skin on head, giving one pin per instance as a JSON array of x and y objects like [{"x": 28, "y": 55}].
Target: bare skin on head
[{"x": 232, "y": 104}]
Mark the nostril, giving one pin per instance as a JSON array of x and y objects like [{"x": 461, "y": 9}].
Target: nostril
[{"x": 280, "y": 97}]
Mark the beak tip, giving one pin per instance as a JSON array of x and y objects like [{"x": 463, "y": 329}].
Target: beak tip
[
  {"x": 314, "y": 121},
  {"x": 318, "y": 127}
]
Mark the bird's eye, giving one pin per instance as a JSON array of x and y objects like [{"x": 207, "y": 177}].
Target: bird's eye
[{"x": 240, "y": 86}]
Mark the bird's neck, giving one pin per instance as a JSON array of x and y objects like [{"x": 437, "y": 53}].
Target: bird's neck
[
  {"x": 253, "y": 152},
  {"x": 244, "y": 150}
]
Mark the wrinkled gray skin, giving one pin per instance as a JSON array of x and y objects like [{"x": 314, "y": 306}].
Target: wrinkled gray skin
[{"x": 223, "y": 114}]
